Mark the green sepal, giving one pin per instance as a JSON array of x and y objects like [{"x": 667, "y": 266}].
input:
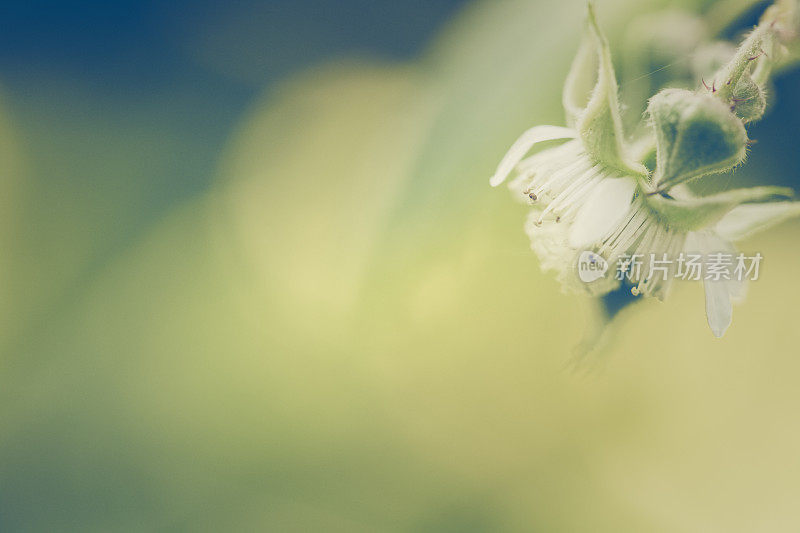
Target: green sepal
[
  {"x": 698, "y": 212},
  {"x": 580, "y": 82},
  {"x": 597, "y": 121},
  {"x": 696, "y": 135}
]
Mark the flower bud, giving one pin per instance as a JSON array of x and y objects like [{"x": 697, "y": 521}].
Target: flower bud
[
  {"x": 748, "y": 100},
  {"x": 696, "y": 134}
]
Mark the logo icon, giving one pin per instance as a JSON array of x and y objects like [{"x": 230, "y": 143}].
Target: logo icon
[{"x": 591, "y": 266}]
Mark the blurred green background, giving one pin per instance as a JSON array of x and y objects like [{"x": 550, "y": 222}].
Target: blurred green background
[{"x": 253, "y": 279}]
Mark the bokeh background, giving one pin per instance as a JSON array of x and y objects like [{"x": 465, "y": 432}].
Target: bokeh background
[{"x": 253, "y": 279}]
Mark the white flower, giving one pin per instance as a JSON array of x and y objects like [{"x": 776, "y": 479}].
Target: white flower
[
  {"x": 696, "y": 134},
  {"x": 581, "y": 188},
  {"x": 589, "y": 195},
  {"x": 645, "y": 234}
]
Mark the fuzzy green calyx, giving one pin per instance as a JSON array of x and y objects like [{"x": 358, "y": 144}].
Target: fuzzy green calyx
[
  {"x": 696, "y": 135},
  {"x": 748, "y": 100},
  {"x": 752, "y": 51}
]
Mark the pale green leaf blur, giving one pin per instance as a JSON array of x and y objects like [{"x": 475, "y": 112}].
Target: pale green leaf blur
[{"x": 348, "y": 332}]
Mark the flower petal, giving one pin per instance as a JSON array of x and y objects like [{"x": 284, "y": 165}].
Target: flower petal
[
  {"x": 604, "y": 209},
  {"x": 737, "y": 288},
  {"x": 746, "y": 220},
  {"x": 719, "y": 310},
  {"x": 521, "y": 147}
]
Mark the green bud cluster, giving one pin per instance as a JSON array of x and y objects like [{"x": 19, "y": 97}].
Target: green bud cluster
[{"x": 702, "y": 132}]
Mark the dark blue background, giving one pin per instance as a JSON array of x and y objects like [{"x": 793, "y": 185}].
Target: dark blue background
[
  {"x": 121, "y": 110},
  {"x": 63, "y": 62}
]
